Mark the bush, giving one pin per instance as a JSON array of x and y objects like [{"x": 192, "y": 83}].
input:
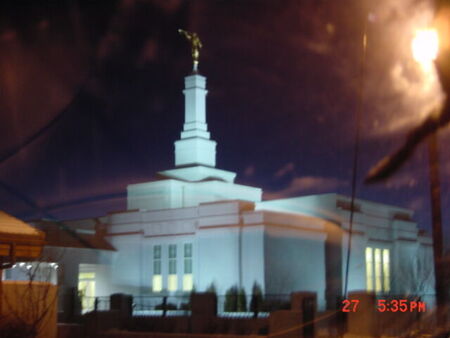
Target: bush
[
  {"x": 231, "y": 299},
  {"x": 212, "y": 288},
  {"x": 235, "y": 300},
  {"x": 241, "y": 301},
  {"x": 256, "y": 301}
]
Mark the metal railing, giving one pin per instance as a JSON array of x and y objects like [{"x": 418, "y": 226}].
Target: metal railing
[
  {"x": 161, "y": 305},
  {"x": 89, "y": 304},
  {"x": 240, "y": 307},
  {"x": 236, "y": 307}
]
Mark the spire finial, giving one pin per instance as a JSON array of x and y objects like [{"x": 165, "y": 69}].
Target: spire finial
[{"x": 196, "y": 44}]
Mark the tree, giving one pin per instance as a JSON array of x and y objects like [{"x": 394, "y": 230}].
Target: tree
[
  {"x": 212, "y": 288},
  {"x": 415, "y": 275},
  {"x": 235, "y": 300},
  {"x": 30, "y": 302},
  {"x": 231, "y": 299},
  {"x": 257, "y": 298},
  {"x": 241, "y": 300}
]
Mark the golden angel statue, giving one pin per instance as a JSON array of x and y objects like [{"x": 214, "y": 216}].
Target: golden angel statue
[{"x": 196, "y": 44}]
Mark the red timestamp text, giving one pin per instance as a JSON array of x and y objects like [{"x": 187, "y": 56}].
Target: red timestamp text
[
  {"x": 384, "y": 305},
  {"x": 350, "y": 305},
  {"x": 400, "y": 305}
]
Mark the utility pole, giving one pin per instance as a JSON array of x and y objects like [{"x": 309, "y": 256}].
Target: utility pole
[{"x": 436, "y": 216}]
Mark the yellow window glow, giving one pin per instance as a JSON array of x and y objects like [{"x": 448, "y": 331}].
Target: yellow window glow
[
  {"x": 378, "y": 270},
  {"x": 157, "y": 283},
  {"x": 86, "y": 275},
  {"x": 172, "y": 283},
  {"x": 86, "y": 289},
  {"x": 188, "y": 282},
  {"x": 369, "y": 269},
  {"x": 386, "y": 272}
]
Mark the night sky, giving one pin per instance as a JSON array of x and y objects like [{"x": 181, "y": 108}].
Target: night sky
[{"x": 91, "y": 98}]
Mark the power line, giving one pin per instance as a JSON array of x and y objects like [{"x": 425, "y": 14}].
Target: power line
[{"x": 358, "y": 115}]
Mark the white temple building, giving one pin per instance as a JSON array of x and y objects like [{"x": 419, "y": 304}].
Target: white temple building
[{"x": 195, "y": 226}]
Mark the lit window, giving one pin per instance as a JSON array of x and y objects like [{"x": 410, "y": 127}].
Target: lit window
[
  {"x": 157, "y": 283},
  {"x": 188, "y": 258},
  {"x": 157, "y": 277},
  {"x": 86, "y": 290},
  {"x": 369, "y": 269},
  {"x": 172, "y": 282},
  {"x": 188, "y": 283},
  {"x": 386, "y": 272},
  {"x": 377, "y": 270}
]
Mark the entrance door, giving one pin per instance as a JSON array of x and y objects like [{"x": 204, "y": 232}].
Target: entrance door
[{"x": 86, "y": 290}]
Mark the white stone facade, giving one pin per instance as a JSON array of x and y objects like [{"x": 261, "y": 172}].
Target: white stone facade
[
  {"x": 195, "y": 226},
  {"x": 294, "y": 244}
]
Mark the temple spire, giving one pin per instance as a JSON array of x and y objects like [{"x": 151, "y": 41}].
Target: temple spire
[{"x": 194, "y": 146}]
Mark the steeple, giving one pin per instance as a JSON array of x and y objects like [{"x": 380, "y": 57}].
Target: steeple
[
  {"x": 194, "y": 146},
  {"x": 194, "y": 180},
  {"x": 195, "y": 152}
]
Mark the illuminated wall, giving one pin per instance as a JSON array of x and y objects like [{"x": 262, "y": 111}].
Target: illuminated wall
[
  {"x": 401, "y": 257},
  {"x": 235, "y": 239}
]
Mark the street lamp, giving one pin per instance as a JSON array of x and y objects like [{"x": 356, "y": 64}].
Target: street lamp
[
  {"x": 425, "y": 48},
  {"x": 427, "y": 45}
]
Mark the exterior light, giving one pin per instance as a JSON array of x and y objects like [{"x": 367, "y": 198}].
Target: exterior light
[{"x": 425, "y": 46}]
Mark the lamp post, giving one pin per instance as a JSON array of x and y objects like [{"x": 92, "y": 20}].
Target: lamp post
[
  {"x": 428, "y": 45},
  {"x": 436, "y": 217},
  {"x": 425, "y": 47}
]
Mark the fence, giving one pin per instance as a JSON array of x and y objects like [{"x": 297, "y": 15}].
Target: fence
[
  {"x": 90, "y": 304},
  {"x": 249, "y": 307},
  {"x": 161, "y": 305},
  {"x": 227, "y": 306},
  {"x": 165, "y": 313}
]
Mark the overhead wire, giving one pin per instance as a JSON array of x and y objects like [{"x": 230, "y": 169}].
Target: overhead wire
[
  {"x": 113, "y": 131},
  {"x": 356, "y": 149}
]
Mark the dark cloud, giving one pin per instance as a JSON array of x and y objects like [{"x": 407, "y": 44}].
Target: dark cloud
[
  {"x": 306, "y": 185},
  {"x": 286, "y": 169},
  {"x": 284, "y": 81}
]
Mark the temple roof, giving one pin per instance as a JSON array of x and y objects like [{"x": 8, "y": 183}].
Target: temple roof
[{"x": 75, "y": 234}]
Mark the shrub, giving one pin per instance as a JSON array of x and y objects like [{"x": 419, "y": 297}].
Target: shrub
[
  {"x": 256, "y": 301},
  {"x": 231, "y": 299},
  {"x": 212, "y": 288},
  {"x": 235, "y": 300},
  {"x": 241, "y": 300}
]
